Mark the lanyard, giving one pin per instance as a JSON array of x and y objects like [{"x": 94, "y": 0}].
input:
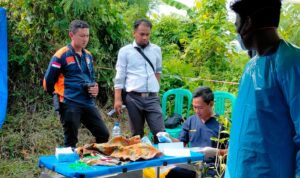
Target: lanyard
[{"x": 79, "y": 65}]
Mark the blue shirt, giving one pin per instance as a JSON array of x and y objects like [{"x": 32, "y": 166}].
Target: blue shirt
[{"x": 197, "y": 133}]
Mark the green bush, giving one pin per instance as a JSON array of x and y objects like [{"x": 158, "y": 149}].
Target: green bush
[
  {"x": 198, "y": 49},
  {"x": 37, "y": 30}
]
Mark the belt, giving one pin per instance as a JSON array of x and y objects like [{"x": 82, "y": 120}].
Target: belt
[{"x": 143, "y": 94}]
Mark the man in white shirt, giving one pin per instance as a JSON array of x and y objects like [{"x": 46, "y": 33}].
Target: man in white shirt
[{"x": 139, "y": 66}]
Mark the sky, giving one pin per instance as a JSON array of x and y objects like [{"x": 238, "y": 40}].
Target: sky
[
  {"x": 189, "y": 3},
  {"x": 166, "y": 10}
]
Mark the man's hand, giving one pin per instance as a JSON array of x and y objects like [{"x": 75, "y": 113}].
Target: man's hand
[
  {"x": 209, "y": 152},
  {"x": 118, "y": 101},
  {"x": 118, "y": 106},
  {"x": 93, "y": 90},
  {"x": 157, "y": 75},
  {"x": 163, "y": 137}
]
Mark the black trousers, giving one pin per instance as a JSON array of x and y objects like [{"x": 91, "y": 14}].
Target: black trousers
[
  {"x": 178, "y": 172},
  {"x": 72, "y": 116},
  {"x": 141, "y": 109}
]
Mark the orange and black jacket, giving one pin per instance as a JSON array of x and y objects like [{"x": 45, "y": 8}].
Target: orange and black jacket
[{"x": 67, "y": 75}]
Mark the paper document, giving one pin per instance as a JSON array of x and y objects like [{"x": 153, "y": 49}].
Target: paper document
[
  {"x": 196, "y": 149},
  {"x": 178, "y": 145},
  {"x": 177, "y": 152},
  {"x": 174, "y": 149}
]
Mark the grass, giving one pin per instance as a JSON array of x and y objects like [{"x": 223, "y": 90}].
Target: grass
[
  {"x": 19, "y": 168},
  {"x": 24, "y": 137}
]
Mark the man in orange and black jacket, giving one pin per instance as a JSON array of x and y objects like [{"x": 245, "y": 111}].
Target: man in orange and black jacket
[{"x": 70, "y": 76}]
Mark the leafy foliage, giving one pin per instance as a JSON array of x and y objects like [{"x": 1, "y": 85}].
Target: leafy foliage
[
  {"x": 135, "y": 9},
  {"x": 290, "y": 23},
  {"x": 37, "y": 30},
  {"x": 198, "y": 49}
]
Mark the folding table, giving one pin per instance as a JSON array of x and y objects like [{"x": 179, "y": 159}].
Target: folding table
[{"x": 67, "y": 168}]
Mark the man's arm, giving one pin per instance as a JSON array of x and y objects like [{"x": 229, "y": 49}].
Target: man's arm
[
  {"x": 158, "y": 66},
  {"x": 165, "y": 137},
  {"x": 184, "y": 134},
  {"x": 52, "y": 74},
  {"x": 118, "y": 101},
  {"x": 185, "y": 144},
  {"x": 119, "y": 81},
  {"x": 289, "y": 81},
  {"x": 94, "y": 88},
  {"x": 157, "y": 75}
]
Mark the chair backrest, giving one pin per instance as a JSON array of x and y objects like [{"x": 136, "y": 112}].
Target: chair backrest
[
  {"x": 179, "y": 94},
  {"x": 220, "y": 100}
]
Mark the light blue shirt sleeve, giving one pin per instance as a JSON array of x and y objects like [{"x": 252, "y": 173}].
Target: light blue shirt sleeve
[
  {"x": 119, "y": 81},
  {"x": 159, "y": 61}
]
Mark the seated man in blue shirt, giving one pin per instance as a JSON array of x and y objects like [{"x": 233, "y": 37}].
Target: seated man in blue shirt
[{"x": 198, "y": 129}]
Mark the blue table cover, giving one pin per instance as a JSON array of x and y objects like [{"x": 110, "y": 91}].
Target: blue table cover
[
  {"x": 66, "y": 168},
  {"x": 3, "y": 64}
]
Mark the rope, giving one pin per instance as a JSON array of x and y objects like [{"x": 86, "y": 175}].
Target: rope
[
  {"x": 217, "y": 81},
  {"x": 104, "y": 68},
  {"x": 192, "y": 79},
  {"x": 208, "y": 80}
]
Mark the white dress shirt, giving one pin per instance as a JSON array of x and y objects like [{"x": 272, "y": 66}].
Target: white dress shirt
[{"x": 133, "y": 71}]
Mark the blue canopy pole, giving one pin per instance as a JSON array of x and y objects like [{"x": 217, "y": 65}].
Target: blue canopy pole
[{"x": 3, "y": 65}]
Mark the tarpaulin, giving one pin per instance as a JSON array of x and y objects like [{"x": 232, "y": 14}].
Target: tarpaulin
[{"x": 3, "y": 64}]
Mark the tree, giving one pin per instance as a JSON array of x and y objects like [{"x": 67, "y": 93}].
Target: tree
[
  {"x": 199, "y": 47},
  {"x": 37, "y": 30},
  {"x": 289, "y": 27}
]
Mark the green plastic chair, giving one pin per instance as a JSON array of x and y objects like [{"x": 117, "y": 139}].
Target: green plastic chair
[
  {"x": 220, "y": 99},
  {"x": 180, "y": 95}
]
